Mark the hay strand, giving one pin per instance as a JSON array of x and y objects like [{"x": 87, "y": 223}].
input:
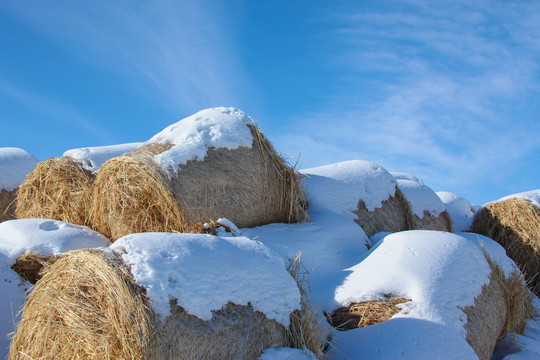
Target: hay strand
[
  {"x": 30, "y": 266},
  {"x": 7, "y": 204},
  {"x": 57, "y": 188}
]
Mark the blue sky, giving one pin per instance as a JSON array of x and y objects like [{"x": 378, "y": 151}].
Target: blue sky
[{"x": 446, "y": 90}]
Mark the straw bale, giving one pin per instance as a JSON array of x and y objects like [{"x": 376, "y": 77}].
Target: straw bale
[
  {"x": 30, "y": 266},
  {"x": 515, "y": 224},
  {"x": 503, "y": 308},
  {"x": 7, "y": 204},
  {"x": 249, "y": 186},
  {"x": 57, "y": 188},
  {"x": 87, "y": 306},
  {"x": 366, "y": 313},
  {"x": 394, "y": 215},
  {"x": 442, "y": 222}
]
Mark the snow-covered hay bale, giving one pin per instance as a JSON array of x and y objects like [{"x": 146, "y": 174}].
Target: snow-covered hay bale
[
  {"x": 361, "y": 190},
  {"x": 428, "y": 211},
  {"x": 85, "y": 306},
  {"x": 515, "y": 224},
  {"x": 92, "y": 158},
  {"x": 214, "y": 164},
  {"x": 15, "y": 164},
  {"x": 57, "y": 188},
  {"x": 460, "y": 210}
]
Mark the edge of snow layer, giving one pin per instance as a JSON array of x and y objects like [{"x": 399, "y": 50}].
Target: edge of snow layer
[
  {"x": 421, "y": 198},
  {"x": 219, "y": 127},
  {"x": 533, "y": 196},
  {"x": 441, "y": 272},
  {"x": 15, "y": 164},
  {"x": 285, "y": 353},
  {"x": 93, "y": 157},
  {"x": 460, "y": 210},
  {"x": 340, "y": 186},
  {"x": 46, "y": 237},
  {"x": 404, "y": 176},
  {"x": 203, "y": 273}
]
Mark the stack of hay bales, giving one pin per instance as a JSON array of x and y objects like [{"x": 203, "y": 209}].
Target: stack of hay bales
[
  {"x": 460, "y": 210},
  {"x": 213, "y": 164},
  {"x": 98, "y": 304},
  {"x": 361, "y": 190},
  {"x": 15, "y": 163},
  {"x": 59, "y": 189},
  {"x": 428, "y": 211},
  {"x": 514, "y": 222}
]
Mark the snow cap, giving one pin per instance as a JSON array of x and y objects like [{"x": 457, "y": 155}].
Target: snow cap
[{"x": 15, "y": 164}]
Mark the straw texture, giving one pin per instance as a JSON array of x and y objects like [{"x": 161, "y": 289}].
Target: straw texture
[{"x": 7, "y": 204}]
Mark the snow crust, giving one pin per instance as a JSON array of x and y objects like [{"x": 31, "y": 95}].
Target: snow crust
[
  {"x": 15, "y": 164},
  {"x": 93, "y": 157},
  {"x": 421, "y": 198},
  {"x": 404, "y": 176},
  {"x": 219, "y": 127},
  {"x": 440, "y": 272},
  {"x": 533, "y": 196},
  {"x": 339, "y": 187},
  {"x": 284, "y": 353},
  {"x": 45, "y": 237},
  {"x": 460, "y": 210},
  {"x": 205, "y": 272}
]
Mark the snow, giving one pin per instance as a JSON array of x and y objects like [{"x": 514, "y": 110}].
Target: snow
[
  {"x": 460, "y": 210},
  {"x": 285, "y": 353},
  {"x": 15, "y": 164},
  {"x": 421, "y": 198},
  {"x": 45, "y": 237},
  {"x": 339, "y": 187},
  {"x": 219, "y": 127},
  {"x": 403, "y": 176},
  {"x": 440, "y": 272},
  {"x": 93, "y": 157},
  {"x": 203, "y": 272},
  {"x": 533, "y": 196}
]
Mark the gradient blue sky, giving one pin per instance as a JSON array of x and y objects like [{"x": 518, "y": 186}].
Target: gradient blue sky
[{"x": 446, "y": 90}]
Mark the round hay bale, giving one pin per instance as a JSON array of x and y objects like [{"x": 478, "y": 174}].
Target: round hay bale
[
  {"x": 85, "y": 306},
  {"x": 442, "y": 222},
  {"x": 7, "y": 204},
  {"x": 515, "y": 224},
  {"x": 394, "y": 215},
  {"x": 88, "y": 306},
  {"x": 57, "y": 188},
  {"x": 249, "y": 186}
]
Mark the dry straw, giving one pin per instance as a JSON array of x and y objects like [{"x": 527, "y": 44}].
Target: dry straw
[
  {"x": 366, "y": 313},
  {"x": 30, "y": 266},
  {"x": 442, "y": 222},
  {"x": 515, "y": 224},
  {"x": 87, "y": 306},
  {"x": 57, "y": 188},
  {"x": 7, "y": 204},
  {"x": 394, "y": 215},
  {"x": 502, "y": 309},
  {"x": 249, "y": 186}
]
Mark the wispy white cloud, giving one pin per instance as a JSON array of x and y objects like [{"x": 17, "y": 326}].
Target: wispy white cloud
[
  {"x": 440, "y": 89},
  {"x": 176, "y": 52}
]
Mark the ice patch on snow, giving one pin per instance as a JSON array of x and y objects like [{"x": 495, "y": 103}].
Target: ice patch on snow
[
  {"x": 45, "y": 237},
  {"x": 219, "y": 127},
  {"x": 460, "y": 210},
  {"x": 205, "y": 272},
  {"x": 15, "y": 164},
  {"x": 93, "y": 157},
  {"x": 339, "y": 187}
]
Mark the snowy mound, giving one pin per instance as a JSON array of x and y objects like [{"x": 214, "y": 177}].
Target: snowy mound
[
  {"x": 460, "y": 210},
  {"x": 533, "y": 196},
  {"x": 45, "y": 237},
  {"x": 205, "y": 272},
  {"x": 15, "y": 164},
  {"x": 93, "y": 157},
  {"x": 220, "y": 127},
  {"x": 339, "y": 187},
  {"x": 440, "y": 273},
  {"x": 421, "y": 198}
]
